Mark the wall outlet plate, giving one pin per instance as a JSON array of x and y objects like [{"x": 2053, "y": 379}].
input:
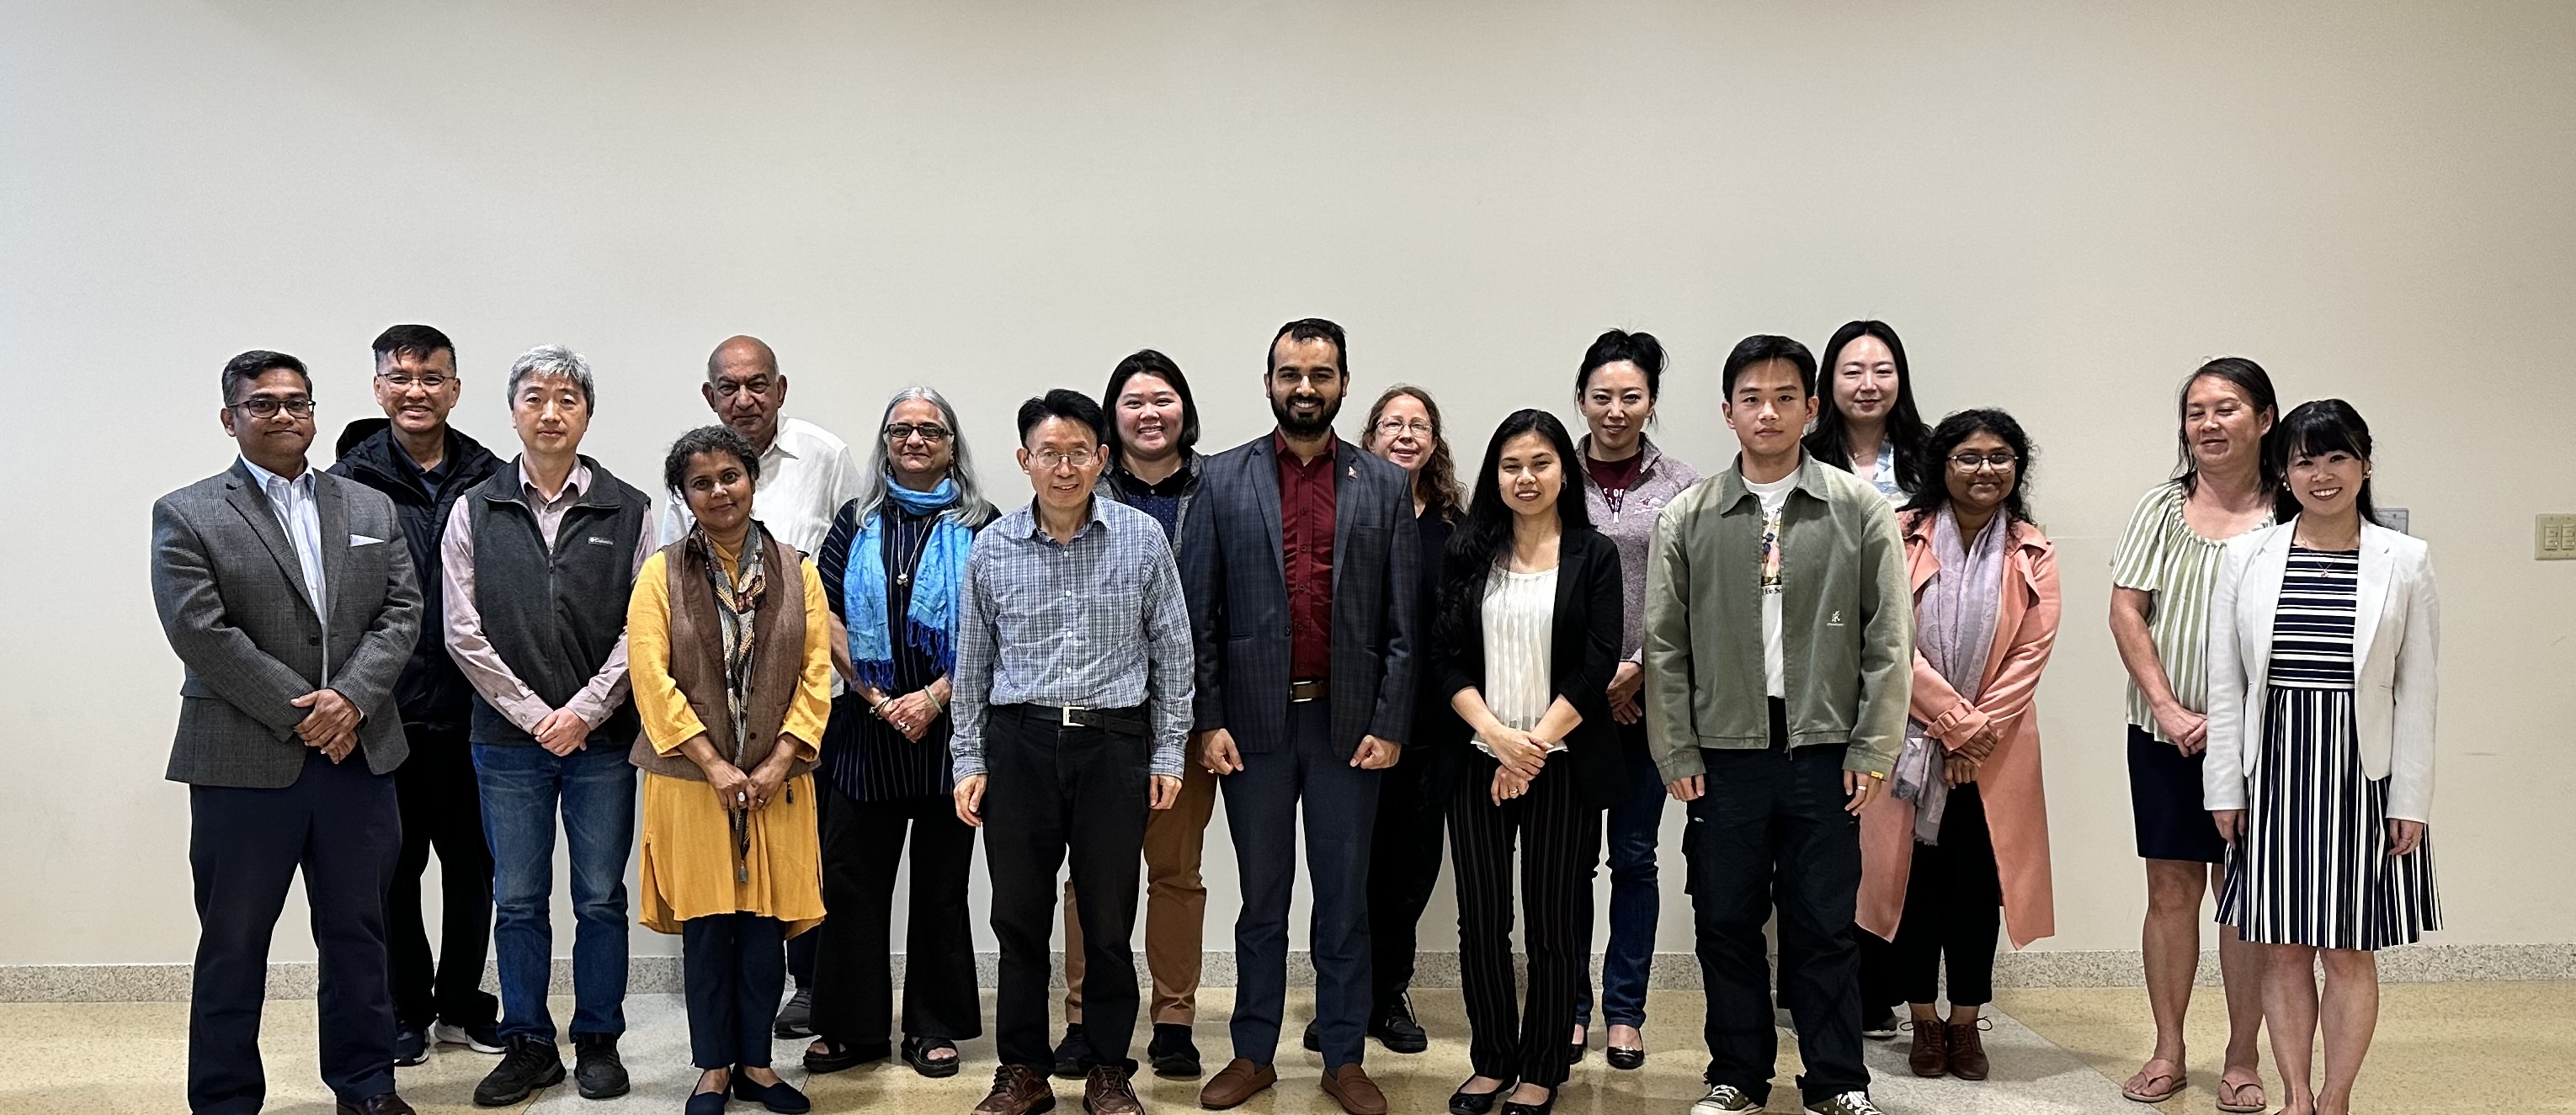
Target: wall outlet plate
[
  {"x": 2554, "y": 538},
  {"x": 2395, "y": 518}
]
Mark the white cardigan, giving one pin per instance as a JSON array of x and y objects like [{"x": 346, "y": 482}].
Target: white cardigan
[{"x": 2396, "y": 636}]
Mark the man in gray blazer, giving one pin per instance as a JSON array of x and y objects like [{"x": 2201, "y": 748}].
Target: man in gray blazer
[
  {"x": 288, "y": 595},
  {"x": 1298, "y": 561}
]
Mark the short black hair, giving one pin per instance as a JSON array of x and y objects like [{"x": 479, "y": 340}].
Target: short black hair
[
  {"x": 1640, "y": 349},
  {"x": 1762, "y": 348},
  {"x": 1932, "y": 484},
  {"x": 1072, "y": 406},
  {"x": 1311, "y": 329},
  {"x": 2314, "y": 429},
  {"x": 249, "y": 366},
  {"x": 419, "y": 342},
  {"x": 707, "y": 439},
  {"x": 1146, "y": 361}
]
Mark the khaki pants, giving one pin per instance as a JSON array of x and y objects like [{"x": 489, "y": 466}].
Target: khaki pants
[{"x": 1175, "y": 905}]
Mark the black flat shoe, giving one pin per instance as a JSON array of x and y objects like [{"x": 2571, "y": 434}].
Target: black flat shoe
[
  {"x": 1073, "y": 1054},
  {"x": 1624, "y": 1058},
  {"x": 1172, "y": 1053},
  {"x": 781, "y": 1097},
  {"x": 1314, "y": 1038},
  {"x": 705, "y": 1103},
  {"x": 1464, "y": 1102},
  {"x": 840, "y": 1057},
  {"x": 1515, "y": 1107},
  {"x": 1574, "y": 1050},
  {"x": 916, "y": 1052}
]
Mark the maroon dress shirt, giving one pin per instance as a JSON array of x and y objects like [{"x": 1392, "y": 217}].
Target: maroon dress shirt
[{"x": 1306, "y": 554}]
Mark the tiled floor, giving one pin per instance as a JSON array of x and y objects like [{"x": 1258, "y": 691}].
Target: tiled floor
[{"x": 2492, "y": 1047}]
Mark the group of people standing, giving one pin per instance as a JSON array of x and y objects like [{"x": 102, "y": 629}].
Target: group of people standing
[{"x": 824, "y": 661}]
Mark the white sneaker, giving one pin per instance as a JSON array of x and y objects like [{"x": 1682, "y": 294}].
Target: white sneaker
[
  {"x": 1723, "y": 1098},
  {"x": 481, "y": 1039},
  {"x": 1848, "y": 1103}
]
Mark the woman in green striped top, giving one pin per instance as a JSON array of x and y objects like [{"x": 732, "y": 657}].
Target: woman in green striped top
[{"x": 2161, "y": 580}]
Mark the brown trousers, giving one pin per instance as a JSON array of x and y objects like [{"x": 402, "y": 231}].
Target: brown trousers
[{"x": 1175, "y": 905}]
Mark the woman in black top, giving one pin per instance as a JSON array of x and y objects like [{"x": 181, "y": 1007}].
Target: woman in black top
[{"x": 893, "y": 566}]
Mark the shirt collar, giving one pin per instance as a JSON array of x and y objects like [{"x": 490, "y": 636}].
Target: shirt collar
[
  {"x": 1169, "y": 487},
  {"x": 1734, "y": 489},
  {"x": 779, "y": 443},
  {"x": 1034, "y": 529},
  {"x": 574, "y": 484},
  {"x": 1287, "y": 456},
  {"x": 264, "y": 478}
]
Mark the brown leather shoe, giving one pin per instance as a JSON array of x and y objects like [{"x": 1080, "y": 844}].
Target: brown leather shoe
[
  {"x": 1238, "y": 1081},
  {"x": 1967, "y": 1052},
  {"x": 1107, "y": 1091},
  {"x": 1351, "y": 1087},
  {"x": 383, "y": 1103},
  {"x": 1020, "y": 1090},
  {"x": 1931, "y": 1054}
]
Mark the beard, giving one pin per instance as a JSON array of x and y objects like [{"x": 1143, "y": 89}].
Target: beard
[{"x": 1294, "y": 426}]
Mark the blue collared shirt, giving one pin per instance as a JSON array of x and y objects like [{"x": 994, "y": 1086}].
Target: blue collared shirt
[
  {"x": 301, "y": 516},
  {"x": 1098, "y": 622}
]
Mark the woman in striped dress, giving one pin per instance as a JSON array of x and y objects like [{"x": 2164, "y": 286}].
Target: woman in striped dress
[
  {"x": 2323, "y": 633},
  {"x": 2159, "y": 618}
]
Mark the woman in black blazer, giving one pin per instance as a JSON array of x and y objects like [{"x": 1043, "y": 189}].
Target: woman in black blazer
[{"x": 1528, "y": 639}]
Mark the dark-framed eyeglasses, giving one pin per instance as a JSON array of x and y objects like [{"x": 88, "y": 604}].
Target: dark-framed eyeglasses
[
  {"x": 931, "y": 432},
  {"x": 267, "y": 406},
  {"x": 1971, "y": 462}
]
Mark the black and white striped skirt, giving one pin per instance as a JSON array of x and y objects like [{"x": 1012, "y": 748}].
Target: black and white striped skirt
[{"x": 2312, "y": 866}]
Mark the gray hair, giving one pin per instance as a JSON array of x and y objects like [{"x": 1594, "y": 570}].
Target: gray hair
[
  {"x": 552, "y": 360},
  {"x": 971, "y": 509}
]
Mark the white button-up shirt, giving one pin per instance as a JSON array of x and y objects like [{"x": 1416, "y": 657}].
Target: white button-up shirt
[
  {"x": 301, "y": 516},
  {"x": 805, "y": 477}
]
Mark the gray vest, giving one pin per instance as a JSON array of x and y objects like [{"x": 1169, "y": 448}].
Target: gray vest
[{"x": 554, "y": 615}]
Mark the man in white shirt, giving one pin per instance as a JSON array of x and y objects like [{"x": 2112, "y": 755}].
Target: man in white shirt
[{"x": 806, "y": 474}]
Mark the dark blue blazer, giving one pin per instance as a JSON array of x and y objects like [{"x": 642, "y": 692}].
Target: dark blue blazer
[{"x": 1236, "y": 579}]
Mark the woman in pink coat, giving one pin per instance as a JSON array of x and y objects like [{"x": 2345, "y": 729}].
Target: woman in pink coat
[{"x": 1964, "y": 835}]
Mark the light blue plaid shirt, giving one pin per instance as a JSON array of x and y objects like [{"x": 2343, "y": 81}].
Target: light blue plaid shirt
[{"x": 1098, "y": 622}]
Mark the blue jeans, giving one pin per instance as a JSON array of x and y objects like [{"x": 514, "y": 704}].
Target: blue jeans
[
  {"x": 522, "y": 787},
  {"x": 1629, "y": 839}
]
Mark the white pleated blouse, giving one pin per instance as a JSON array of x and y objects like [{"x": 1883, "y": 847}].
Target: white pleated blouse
[{"x": 1519, "y": 614}]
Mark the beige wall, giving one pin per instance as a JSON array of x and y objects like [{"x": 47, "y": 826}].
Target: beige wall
[{"x": 2063, "y": 209}]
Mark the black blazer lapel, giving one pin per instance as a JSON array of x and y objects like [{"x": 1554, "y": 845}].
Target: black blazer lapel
[
  {"x": 1349, "y": 503},
  {"x": 1265, "y": 499},
  {"x": 253, "y": 506}
]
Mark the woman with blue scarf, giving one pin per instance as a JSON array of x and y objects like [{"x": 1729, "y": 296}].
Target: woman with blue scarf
[{"x": 892, "y": 567}]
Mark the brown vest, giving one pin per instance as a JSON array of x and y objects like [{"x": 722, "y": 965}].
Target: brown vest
[{"x": 697, "y": 666}]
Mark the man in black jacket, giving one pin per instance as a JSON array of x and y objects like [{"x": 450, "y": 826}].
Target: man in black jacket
[{"x": 422, "y": 464}]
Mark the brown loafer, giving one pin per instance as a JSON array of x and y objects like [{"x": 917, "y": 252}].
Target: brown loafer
[
  {"x": 1351, "y": 1087},
  {"x": 1238, "y": 1081},
  {"x": 1931, "y": 1053},
  {"x": 1967, "y": 1052},
  {"x": 1018, "y": 1090},
  {"x": 1107, "y": 1091}
]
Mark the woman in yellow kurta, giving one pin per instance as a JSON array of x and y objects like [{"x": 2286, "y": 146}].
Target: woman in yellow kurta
[{"x": 729, "y": 649}]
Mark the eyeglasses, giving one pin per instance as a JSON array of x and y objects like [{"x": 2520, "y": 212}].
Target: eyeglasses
[
  {"x": 1969, "y": 462},
  {"x": 406, "y": 383},
  {"x": 904, "y": 431},
  {"x": 1398, "y": 427},
  {"x": 1051, "y": 460},
  {"x": 267, "y": 406}
]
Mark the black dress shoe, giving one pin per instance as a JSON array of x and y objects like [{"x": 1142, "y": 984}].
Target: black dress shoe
[
  {"x": 1314, "y": 1037},
  {"x": 1464, "y": 1102},
  {"x": 1574, "y": 1049},
  {"x": 529, "y": 1064},
  {"x": 1073, "y": 1054},
  {"x": 1172, "y": 1053},
  {"x": 596, "y": 1068},
  {"x": 411, "y": 1047},
  {"x": 781, "y": 1097},
  {"x": 1625, "y": 1058},
  {"x": 1395, "y": 1028},
  {"x": 705, "y": 1103},
  {"x": 838, "y": 1056},
  {"x": 383, "y": 1103},
  {"x": 916, "y": 1052},
  {"x": 796, "y": 1019}
]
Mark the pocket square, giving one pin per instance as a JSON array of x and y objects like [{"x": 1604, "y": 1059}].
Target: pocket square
[{"x": 363, "y": 540}]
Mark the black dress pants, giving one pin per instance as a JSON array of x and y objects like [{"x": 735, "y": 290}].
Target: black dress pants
[
  {"x": 1559, "y": 835},
  {"x": 732, "y": 969},
  {"x": 863, "y": 845},
  {"x": 342, "y": 826},
  {"x": 1051, "y": 794},
  {"x": 1404, "y": 860},
  {"x": 442, "y": 811},
  {"x": 1953, "y": 908},
  {"x": 1771, "y": 827}
]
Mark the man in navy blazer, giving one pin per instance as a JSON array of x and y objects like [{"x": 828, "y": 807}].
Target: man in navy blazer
[
  {"x": 1299, "y": 568},
  {"x": 289, "y": 597}
]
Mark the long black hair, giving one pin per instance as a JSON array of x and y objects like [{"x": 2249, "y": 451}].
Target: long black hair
[
  {"x": 1485, "y": 534},
  {"x": 2249, "y": 378},
  {"x": 1905, "y": 429},
  {"x": 2313, "y": 429},
  {"x": 1932, "y": 486}
]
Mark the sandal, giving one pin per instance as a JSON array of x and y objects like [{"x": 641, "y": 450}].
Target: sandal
[
  {"x": 916, "y": 1052},
  {"x": 2174, "y": 1082},
  {"x": 2231, "y": 1097}
]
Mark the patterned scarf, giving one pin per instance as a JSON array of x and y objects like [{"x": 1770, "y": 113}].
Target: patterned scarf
[
  {"x": 1954, "y": 629},
  {"x": 737, "y": 606},
  {"x": 938, "y": 573}
]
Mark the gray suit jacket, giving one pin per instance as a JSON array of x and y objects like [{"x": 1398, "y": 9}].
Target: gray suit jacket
[
  {"x": 230, "y": 592},
  {"x": 1235, "y": 576}
]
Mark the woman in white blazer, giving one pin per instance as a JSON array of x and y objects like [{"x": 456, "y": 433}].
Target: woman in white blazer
[{"x": 2323, "y": 634}]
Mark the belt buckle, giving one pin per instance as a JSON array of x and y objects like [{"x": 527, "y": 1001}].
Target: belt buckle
[{"x": 1064, "y": 716}]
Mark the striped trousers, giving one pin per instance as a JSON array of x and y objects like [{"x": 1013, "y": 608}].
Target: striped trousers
[{"x": 1558, "y": 836}]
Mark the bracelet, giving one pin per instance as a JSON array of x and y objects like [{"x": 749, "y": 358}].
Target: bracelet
[{"x": 878, "y": 709}]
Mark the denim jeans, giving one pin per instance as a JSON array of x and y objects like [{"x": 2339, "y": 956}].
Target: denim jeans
[
  {"x": 522, "y": 787},
  {"x": 1635, "y": 899}
]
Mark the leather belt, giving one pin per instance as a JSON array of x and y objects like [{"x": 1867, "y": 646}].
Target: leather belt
[
  {"x": 1115, "y": 721},
  {"x": 1311, "y": 689}
]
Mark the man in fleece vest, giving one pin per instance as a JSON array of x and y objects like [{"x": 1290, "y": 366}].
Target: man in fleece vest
[{"x": 539, "y": 561}]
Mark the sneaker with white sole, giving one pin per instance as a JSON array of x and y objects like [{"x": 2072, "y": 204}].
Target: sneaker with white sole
[
  {"x": 1848, "y": 1103},
  {"x": 482, "y": 1038},
  {"x": 1723, "y": 1098}
]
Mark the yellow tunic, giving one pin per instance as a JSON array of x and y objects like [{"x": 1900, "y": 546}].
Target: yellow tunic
[{"x": 688, "y": 863}]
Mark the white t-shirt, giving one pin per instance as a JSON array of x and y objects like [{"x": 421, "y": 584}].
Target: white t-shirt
[{"x": 1774, "y": 496}]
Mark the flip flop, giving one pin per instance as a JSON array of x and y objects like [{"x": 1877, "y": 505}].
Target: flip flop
[
  {"x": 2228, "y": 1091},
  {"x": 2175, "y": 1082}
]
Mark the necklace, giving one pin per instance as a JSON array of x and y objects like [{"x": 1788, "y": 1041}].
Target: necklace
[{"x": 920, "y": 545}]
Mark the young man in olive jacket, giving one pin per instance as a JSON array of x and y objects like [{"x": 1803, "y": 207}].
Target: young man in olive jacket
[
  {"x": 422, "y": 464},
  {"x": 1779, "y": 647}
]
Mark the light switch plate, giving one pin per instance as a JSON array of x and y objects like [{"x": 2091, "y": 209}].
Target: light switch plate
[
  {"x": 2554, "y": 538},
  {"x": 2394, "y": 518}
]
